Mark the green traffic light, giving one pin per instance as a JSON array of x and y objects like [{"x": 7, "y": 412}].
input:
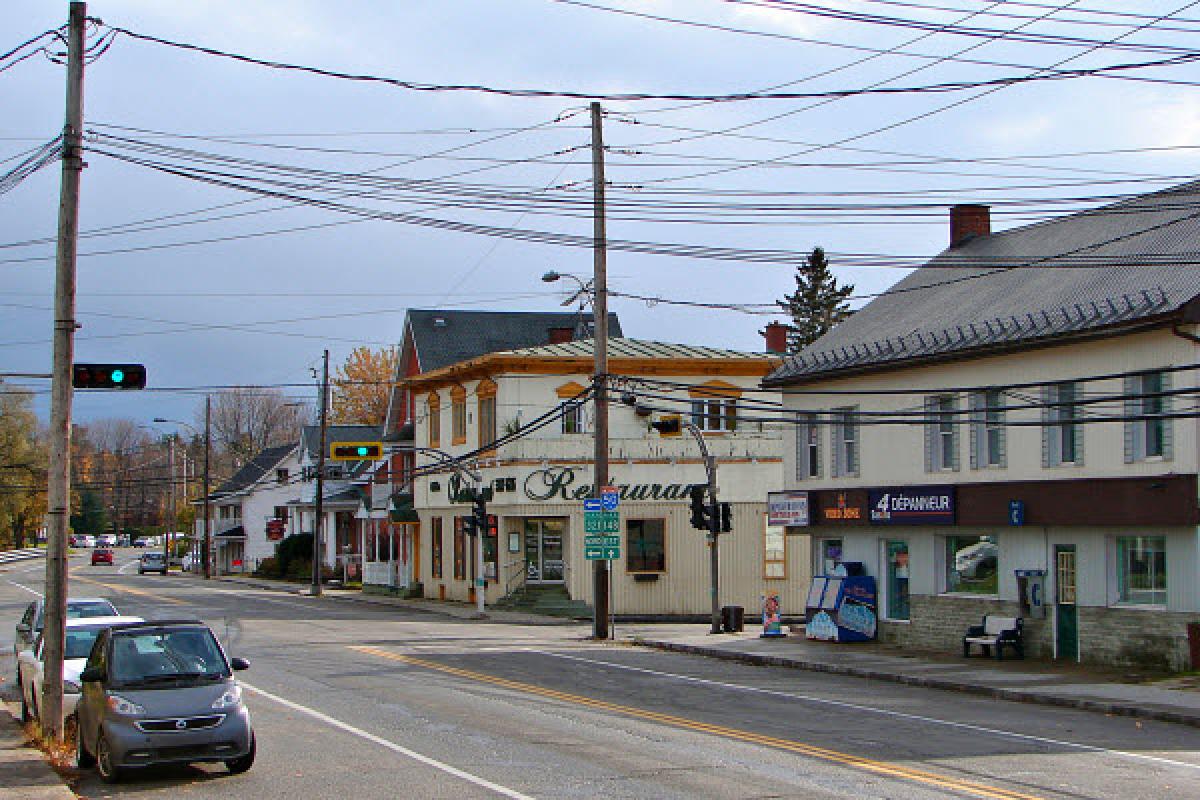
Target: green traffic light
[
  {"x": 118, "y": 376},
  {"x": 362, "y": 451}
]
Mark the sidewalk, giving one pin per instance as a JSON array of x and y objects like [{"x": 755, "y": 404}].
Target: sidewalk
[
  {"x": 24, "y": 773},
  {"x": 1108, "y": 691},
  {"x": 1072, "y": 686}
]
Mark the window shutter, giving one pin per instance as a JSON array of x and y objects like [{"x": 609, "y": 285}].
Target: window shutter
[
  {"x": 976, "y": 423},
  {"x": 1002, "y": 443},
  {"x": 1168, "y": 424},
  {"x": 835, "y": 433},
  {"x": 955, "y": 438},
  {"x": 1131, "y": 409},
  {"x": 801, "y": 451},
  {"x": 817, "y": 439},
  {"x": 929, "y": 433},
  {"x": 854, "y": 447},
  {"x": 1045, "y": 426},
  {"x": 1077, "y": 435}
]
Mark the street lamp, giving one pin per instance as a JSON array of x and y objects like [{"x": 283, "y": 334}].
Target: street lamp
[
  {"x": 583, "y": 294},
  {"x": 207, "y": 557}
]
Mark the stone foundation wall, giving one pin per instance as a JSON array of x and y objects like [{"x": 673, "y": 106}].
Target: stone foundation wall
[{"x": 1107, "y": 636}]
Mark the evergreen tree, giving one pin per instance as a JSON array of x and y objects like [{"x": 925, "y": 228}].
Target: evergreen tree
[{"x": 818, "y": 302}]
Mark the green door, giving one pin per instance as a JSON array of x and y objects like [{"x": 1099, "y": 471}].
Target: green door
[{"x": 1066, "y": 617}]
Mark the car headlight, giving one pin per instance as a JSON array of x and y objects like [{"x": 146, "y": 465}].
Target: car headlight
[
  {"x": 231, "y": 698},
  {"x": 119, "y": 705},
  {"x": 70, "y": 687}
]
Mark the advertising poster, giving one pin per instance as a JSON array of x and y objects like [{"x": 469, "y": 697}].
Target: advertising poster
[{"x": 772, "y": 623}]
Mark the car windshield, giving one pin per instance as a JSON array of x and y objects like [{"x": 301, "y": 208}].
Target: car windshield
[
  {"x": 79, "y": 642},
  {"x": 163, "y": 656},
  {"x": 152, "y": 557},
  {"x": 90, "y": 608}
]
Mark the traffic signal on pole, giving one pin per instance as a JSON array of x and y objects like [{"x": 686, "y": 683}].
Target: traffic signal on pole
[
  {"x": 355, "y": 451},
  {"x": 726, "y": 517},
  {"x": 479, "y": 511},
  {"x": 701, "y": 512},
  {"x": 108, "y": 376},
  {"x": 668, "y": 425}
]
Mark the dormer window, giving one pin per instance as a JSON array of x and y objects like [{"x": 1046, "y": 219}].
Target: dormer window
[{"x": 281, "y": 476}]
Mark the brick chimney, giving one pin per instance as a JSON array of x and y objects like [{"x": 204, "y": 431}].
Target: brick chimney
[
  {"x": 776, "y": 335},
  {"x": 560, "y": 335},
  {"x": 969, "y": 221}
]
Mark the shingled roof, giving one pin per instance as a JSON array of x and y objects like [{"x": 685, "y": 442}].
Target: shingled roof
[
  {"x": 1127, "y": 265},
  {"x": 253, "y": 470},
  {"x": 442, "y": 338}
]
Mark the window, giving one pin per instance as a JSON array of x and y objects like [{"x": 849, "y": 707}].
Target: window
[
  {"x": 646, "y": 543},
  {"x": 714, "y": 406},
  {"x": 458, "y": 415},
  {"x": 715, "y": 413},
  {"x": 972, "y": 564},
  {"x": 987, "y": 430},
  {"x": 435, "y": 549},
  {"x": 281, "y": 512},
  {"x": 1062, "y": 435},
  {"x": 830, "y": 555},
  {"x": 486, "y": 392},
  {"x": 845, "y": 442},
  {"x": 896, "y": 559},
  {"x": 1148, "y": 396},
  {"x": 941, "y": 433},
  {"x": 808, "y": 447},
  {"x": 460, "y": 550},
  {"x": 573, "y": 419},
  {"x": 1142, "y": 570},
  {"x": 774, "y": 552},
  {"x": 434, "y": 404},
  {"x": 281, "y": 476}
]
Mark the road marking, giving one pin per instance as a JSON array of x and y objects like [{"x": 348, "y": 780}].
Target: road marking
[
  {"x": 370, "y": 737},
  {"x": 126, "y": 566},
  {"x": 856, "y": 707},
  {"x": 26, "y": 588},
  {"x": 824, "y": 754},
  {"x": 118, "y": 588}
]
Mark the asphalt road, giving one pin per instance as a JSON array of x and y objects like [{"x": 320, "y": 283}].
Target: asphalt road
[{"x": 352, "y": 700}]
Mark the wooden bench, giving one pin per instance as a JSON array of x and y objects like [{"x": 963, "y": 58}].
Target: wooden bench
[{"x": 995, "y": 632}]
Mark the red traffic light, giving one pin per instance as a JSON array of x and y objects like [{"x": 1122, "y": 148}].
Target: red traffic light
[{"x": 108, "y": 376}]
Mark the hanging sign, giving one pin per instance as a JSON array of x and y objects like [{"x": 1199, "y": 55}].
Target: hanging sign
[{"x": 787, "y": 509}]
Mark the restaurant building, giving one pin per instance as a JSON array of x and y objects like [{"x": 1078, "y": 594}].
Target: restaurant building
[{"x": 1010, "y": 429}]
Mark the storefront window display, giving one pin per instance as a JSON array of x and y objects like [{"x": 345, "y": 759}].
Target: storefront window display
[
  {"x": 774, "y": 552},
  {"x": 897, "y": 579},
  {"x": 972, "y": 564},
  {"x": 1142, "y": 569}
]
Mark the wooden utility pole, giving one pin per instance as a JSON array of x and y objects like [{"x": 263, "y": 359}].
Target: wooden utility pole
[
  {"x": 61, "y": 393},
  {"x": 319, "y": 505},
  {"x": 167, "y": 547},
  {"x": 600, "y": 583}
]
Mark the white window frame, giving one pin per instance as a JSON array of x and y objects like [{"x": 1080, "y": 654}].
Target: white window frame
[
  {"x": 1123, "y": 593},
  {"x": 941, "y": 432},
  {"x": 714, "y": 414},
  {"x": 808, "y": 446},
  {"x": 844, "y": 441},
  {"x": 1062, "y": 429},
  {"x": 574, "y": 420}
]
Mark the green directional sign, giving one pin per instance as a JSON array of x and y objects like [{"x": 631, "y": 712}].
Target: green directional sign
[
  {"x": 601, "y": 553},
  {"x": 601, "y": 522},
  {"x": 593, "y": 540}
]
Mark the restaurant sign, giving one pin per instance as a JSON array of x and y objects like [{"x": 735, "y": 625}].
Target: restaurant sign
[
  {"x": 913, "y": 505},
  {"x": 787, "y": 509},
  {"x": 842, "y": 508}
]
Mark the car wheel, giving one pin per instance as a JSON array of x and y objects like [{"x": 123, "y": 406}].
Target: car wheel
[
  {"x": 83, "y": 759},
  {"x": 237, "y": 766},
  {"x": 109, "y": 772}
]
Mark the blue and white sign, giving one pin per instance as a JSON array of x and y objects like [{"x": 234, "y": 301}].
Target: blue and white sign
[
  {"x": 912, "y": 505},
  {"x": 1016, "y": 512},
  {"x": 610, "y": 498},
  {"x": 592, "y": 504}
]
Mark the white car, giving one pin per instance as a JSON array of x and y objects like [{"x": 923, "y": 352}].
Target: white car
[
  {"x": 106, "y": 540},
  {"x": 81, "y": 635}
]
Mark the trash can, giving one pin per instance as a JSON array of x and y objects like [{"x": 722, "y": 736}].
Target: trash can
[{"x": 733, "y": 619}]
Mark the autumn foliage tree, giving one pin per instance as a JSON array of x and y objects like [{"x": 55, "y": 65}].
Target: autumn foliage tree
[{"x": 362, "y": 385}]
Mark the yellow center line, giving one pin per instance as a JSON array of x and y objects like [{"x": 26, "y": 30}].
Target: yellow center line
[
  {"x": 118, "y": 588},
  {"x": 834, "y": 756}
]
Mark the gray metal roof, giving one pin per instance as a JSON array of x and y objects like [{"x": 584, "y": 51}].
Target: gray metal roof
[
  {"x": 634, "y": 348},
  {"x": 1112, "y": 266},
  {"x": 442, "y": 338},
  {"x": 254, "y": 469}
]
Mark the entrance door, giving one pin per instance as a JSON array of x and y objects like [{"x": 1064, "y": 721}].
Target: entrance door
[
  {"x": 544, "y": 551},
  {"x": 1066, "y": 617}
]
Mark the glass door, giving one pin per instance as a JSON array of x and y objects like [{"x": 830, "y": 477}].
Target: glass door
[
  {"x": 1066, "y": 619},
  {"x": 544, "y": 561}
]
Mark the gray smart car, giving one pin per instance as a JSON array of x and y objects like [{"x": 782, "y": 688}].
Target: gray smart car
[{"x": 161, "y": 692}]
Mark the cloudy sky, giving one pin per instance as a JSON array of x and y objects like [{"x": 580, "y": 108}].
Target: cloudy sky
[{"x": 211, "y": 286}]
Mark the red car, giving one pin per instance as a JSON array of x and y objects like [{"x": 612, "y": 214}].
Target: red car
[{"x": 100, "y": 556}]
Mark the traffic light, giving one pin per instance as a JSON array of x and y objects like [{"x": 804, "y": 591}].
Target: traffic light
[
  {"x": 726, "y": 517},
  {"x": 701, "y": 512},
  {"x": 479, "y": 512},
  {"x": 668, "y": 425},
  {"x": 355, "y": 451},
  {"x": 108, "y": 376}
]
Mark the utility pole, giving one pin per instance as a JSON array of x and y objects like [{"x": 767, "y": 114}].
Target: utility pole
[
  {"x": 319, "y": 510},
  {"x": 600, "y": 583},
  {"x": 171, "y": 512},
  {"x": 208, "y": 565},
  {"x": 61, "y": 394}
]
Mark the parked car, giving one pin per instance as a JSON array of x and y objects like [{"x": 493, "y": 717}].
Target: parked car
[
  {"x": 977, "y": 560},
  {"x": 29, "y": 627},
  {"x": 31, "y": 665},
  {"x": 102, "y": 555},
  {"x": 161, "y": 692},
  {"x": 152, "y": 562},
  {"x": 84, "y": 540},
  {"x": 141, "y": 541},
  {"x": 106, "y": 540}
]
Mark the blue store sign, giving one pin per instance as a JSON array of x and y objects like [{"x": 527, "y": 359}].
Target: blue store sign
[{"x": 912, "y": 505}]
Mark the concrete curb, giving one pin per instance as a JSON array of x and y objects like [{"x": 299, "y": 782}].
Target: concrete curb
[
  {"x": 1112, "y": 707},
  {"x": 24, "y": 772}
]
